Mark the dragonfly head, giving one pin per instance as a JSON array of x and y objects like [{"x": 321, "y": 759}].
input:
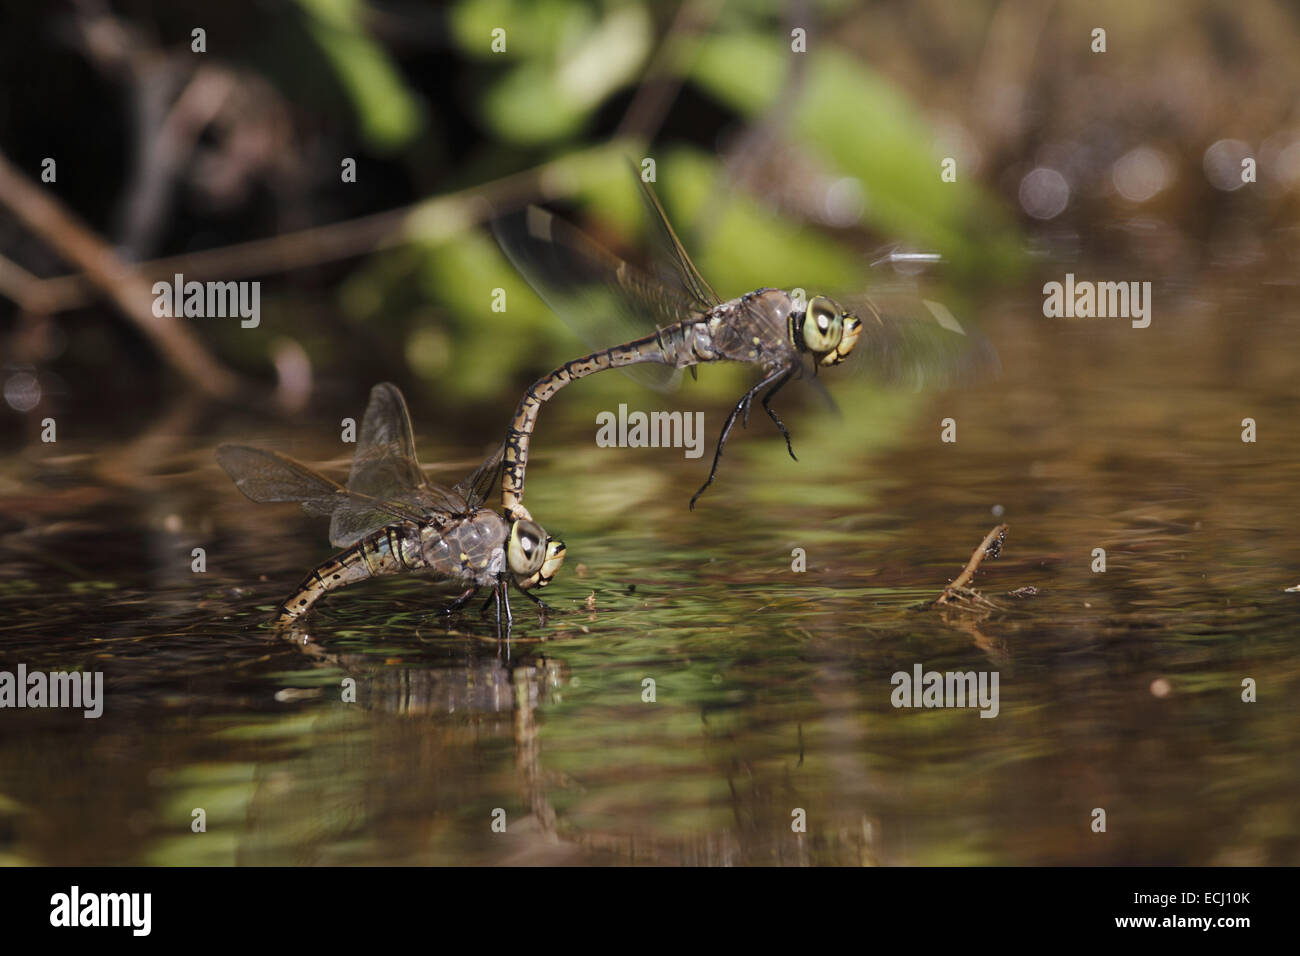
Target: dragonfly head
[
  {"x": 534, "y": 557},
  {"x": 827, "y": 331}
]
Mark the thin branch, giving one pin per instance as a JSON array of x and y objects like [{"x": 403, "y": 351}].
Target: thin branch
[
  {"x": 990, "y": 547},
  {"x": 434, "y": 219},
  {"x": 165, "y": 138},
  {"x": 22, "y": 288},
  {"x": 667, "y": 71},
  {"x": 78, "y": 244}
]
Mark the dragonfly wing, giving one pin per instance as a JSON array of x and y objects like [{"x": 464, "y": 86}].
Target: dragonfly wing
[
  {"x": 600, "y": 297},
  {"x": 809, "y": 379},
  {"x": 266, "y": 476},
  {"x": 483, "y": 481},
  {"x": 358, "y": 515},
  {"x": 917, "y": 343},
  {"x": 385, "y": 468},
  {"x": 385, "y": 461},
  {"x": 672, "y": 254}
]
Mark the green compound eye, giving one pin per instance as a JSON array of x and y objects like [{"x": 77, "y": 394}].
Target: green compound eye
[
  {"x": 823, "y": 326},
  {"x": 527, "y": 548}
]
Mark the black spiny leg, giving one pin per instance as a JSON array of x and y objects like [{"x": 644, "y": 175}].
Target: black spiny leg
[
  {"x": 503, "y": 601},
  {"x": 535, "y": 599},
  {"x": 780, "y": 384},
  {"x": 742, "y": 406},
  {"x": 461, "y": 601}
]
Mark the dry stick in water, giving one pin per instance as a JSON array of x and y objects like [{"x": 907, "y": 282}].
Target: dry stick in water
[{"x": 991, "y": 546}]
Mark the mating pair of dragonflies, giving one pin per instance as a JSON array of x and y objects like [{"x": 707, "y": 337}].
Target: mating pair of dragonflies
[{"x": 390, "y": 519}]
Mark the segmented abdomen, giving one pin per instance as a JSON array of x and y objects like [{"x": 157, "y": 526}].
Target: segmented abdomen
[
  {"x": 678, "y": 346},
  {"x": 391, "y": 550}
]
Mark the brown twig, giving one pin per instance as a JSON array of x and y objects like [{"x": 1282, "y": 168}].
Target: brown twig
[
  {"x": 24, "y": 289},
  {"x": 990, "y": 547},
  {"x": 77, "y": 243},
  {"x": 439, "y": 217},
  {"x": 667, "y": 71},
  {"x": 166, "y": 133}
]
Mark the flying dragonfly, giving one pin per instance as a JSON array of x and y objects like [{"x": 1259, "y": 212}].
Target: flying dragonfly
[
  {"x": 676, "y": 321},
  {"x": 390, "y": 519}
]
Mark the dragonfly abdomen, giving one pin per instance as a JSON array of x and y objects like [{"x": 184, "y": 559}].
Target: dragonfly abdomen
[
  {"x": 394, "y": 549},
  {"x": 665, "y": 347}
]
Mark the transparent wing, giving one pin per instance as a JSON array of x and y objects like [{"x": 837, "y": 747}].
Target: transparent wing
[
  {"x": 674, "y": 264},
  {"x": 917, "y": 343},
  {"x": 266, "y": 476},
  {"x": 603, "y": 299},
  {"x": 483, "y": 481},
  {"x": 385, "y": 468},
  {"x": 385, "y": 462}
]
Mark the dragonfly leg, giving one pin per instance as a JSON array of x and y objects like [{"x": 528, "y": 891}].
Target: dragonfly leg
[
  {"x": 741, "y": 406},
  {"x": 535, "y": 599},
  {"x": 503, "y": 602},
  {"x": 461, "y": 601},
  {"x": 502, "y": 599},
  {"x": 780, "y": 383}
]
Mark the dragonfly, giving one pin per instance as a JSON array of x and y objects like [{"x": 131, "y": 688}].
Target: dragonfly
[
  {"x": 684, "y": 323},
  {"x": 390, "y": 519}
]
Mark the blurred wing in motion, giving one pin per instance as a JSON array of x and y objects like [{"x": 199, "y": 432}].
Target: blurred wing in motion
[
  {"x": 603, "y": 299},
  {"x": 674, "y": 265},
  {"x": 918, "y": 343}
]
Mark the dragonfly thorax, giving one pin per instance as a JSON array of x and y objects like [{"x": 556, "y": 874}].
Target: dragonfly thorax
[{"x": 472, "y": 550}]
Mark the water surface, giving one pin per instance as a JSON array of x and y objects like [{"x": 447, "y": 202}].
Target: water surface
[{"x": 1118, "y": 690}]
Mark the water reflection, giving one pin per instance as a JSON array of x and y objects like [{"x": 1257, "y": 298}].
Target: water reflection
[{"x": 1120, "y": 690}]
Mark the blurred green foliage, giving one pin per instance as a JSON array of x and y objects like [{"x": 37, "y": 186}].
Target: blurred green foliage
[
  {"x": 865, "y": 127},
  {"x": 564, "y": 60},
  {"x": 441, "y": 104},
  {"x": 553, "y": 61},
  {"x": 389, "y": 115}
]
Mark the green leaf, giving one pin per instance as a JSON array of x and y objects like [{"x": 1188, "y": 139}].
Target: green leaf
[
  {"x": 388, "y": 114},
  {"x": 857, "y": 122}
]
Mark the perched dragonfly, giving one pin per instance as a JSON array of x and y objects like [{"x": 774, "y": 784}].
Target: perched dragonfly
[
  {"x": 683, "y": 323},
  {"x": 390, "y": 519}
]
